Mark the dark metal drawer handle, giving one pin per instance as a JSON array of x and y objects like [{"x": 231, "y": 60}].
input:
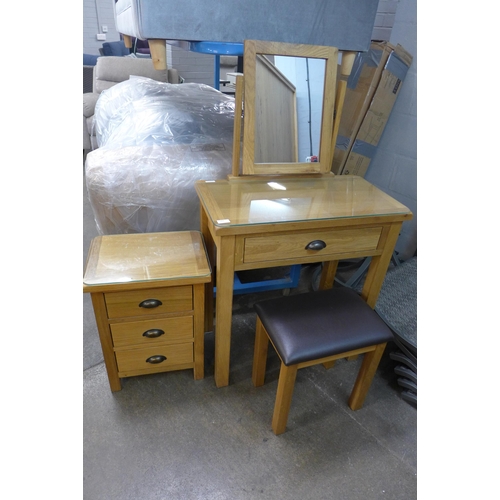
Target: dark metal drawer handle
[
  {"x": 153, "y": 333},
  {"x": 316, "y": 245},
  {"x": 154, "y": 360},
  {"x": 150, "y": 303}
]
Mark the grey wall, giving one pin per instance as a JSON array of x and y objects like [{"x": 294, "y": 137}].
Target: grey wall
[
  {"x": 96, "y": 14},
  {"x": 394, "y": 166},
  {"x": 193, "y": 67},
  {"x": 384, "y": 19}
]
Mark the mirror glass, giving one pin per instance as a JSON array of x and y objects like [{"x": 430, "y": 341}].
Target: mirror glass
[
  {"x": 288, "y": 125},
  {"x": 289, "y": 94}
]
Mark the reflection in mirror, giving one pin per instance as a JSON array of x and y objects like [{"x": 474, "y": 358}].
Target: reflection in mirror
[
  {"x": 288, "y": 126},
  {"x": 275, "y": 118},
  {"x": 288, "y": 114}
]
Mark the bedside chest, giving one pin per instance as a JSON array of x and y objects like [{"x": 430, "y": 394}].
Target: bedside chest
[{"x": 148, "y": 294}]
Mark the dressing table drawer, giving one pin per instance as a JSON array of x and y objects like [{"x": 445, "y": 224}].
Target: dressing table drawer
[{"x": 328, "y": 243}]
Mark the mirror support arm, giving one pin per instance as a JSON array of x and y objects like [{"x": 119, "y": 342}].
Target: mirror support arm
[
  {"x": 238, "y": 111},
  {"x": 346, "y": 66}
]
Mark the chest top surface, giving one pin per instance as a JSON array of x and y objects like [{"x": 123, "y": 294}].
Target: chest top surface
[{"x": 132, "y": 258}]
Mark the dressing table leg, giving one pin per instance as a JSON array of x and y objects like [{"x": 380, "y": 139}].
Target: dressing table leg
[
  {"x": 209, "y": 287},
  {"x": 379, "y": 264},
  {"x": 328, "y": 274},
  {"x": 224, "y": 309}
]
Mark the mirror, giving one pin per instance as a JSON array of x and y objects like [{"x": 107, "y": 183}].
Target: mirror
[
  {"x": 288, "y": 125},
  {"x": 289, "y": 97}
]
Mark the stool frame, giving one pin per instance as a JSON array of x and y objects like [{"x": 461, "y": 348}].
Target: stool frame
[{"x": 287, "y": 376}]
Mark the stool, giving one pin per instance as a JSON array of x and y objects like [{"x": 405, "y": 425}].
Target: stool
[{"x": 313, "y": 328}]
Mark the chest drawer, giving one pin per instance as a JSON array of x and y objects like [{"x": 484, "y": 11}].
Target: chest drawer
[
  {"x": 294, "y": 245},
  {"x": 154, "y": 358},
  {"x": 152, "y": 331},
  {"x": 149, "y": 301}
]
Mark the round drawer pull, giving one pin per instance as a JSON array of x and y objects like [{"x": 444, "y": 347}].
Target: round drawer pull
[
  {"x": 316, "y": 245},
  {"x": 154, "y": 333},
  {"x": 150, "y": 303},
  {"x": 154, "y": 360}
]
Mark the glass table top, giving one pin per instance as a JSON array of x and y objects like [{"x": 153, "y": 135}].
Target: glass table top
[
  {"x": 125, "y": 258},
  {"x": 261, "y": 200}
]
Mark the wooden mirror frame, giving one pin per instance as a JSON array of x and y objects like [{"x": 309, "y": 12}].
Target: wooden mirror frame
[{"x": 253, "y": 48}]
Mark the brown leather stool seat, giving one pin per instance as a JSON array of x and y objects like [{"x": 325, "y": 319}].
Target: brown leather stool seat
[{"x": 313, "y": 328}]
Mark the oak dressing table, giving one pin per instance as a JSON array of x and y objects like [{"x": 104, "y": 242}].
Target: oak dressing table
[{"x": 258, "y": 222}]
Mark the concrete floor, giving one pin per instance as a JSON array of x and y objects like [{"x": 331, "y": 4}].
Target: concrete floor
[{"x": 166, "y": 436}]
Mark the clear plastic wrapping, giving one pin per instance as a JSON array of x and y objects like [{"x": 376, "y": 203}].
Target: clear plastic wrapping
[
  {"x": 140, "y": 110},
  {"x": 156, "y": 140}
]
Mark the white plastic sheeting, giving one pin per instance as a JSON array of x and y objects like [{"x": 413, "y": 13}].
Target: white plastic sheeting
[{"x": 155, "y": 140}]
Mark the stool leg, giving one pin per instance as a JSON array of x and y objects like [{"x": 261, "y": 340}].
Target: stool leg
[
  {"x": 260, "y": 354},
  {"x": 365, "y": 377},
  {"x": 286, "y": 384}
]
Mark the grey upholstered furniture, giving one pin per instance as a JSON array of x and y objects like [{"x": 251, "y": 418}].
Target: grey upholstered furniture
[
  {"x": 109, "y": 71},
  {"x": 346, "y": 25},
  {"x": 89, "y": 61},
  {"x": 337, "y": 23}
]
